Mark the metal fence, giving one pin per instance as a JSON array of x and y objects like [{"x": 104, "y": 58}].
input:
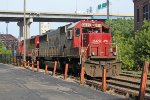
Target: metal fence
[{"x": 6, "y": 58}]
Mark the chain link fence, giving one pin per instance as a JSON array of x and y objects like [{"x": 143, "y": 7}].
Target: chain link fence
[{"x": 6, "y": 58}]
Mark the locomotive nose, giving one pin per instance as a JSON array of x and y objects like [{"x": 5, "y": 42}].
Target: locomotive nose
[
  {"x": 97, "y": 44},
  {"x": 92, "y": 43}
]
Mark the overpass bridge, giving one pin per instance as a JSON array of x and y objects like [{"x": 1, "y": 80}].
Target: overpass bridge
[{"x": 17, "y": 16}]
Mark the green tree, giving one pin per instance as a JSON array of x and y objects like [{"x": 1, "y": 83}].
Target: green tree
[
  {"x": 123, "y": 35},
  {"x": 142, "y": 45},
  {"x": 133, "y": 47},
  {"x": 3, "y": 49}
]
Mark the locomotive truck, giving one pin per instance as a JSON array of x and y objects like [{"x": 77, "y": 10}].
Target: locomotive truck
[{"x": 85, "y": 43}]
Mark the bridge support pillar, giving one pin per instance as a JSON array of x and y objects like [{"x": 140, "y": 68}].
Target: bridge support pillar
[
  {"x": 21, "y": 26},
  {"x": 29, "y": 21}
]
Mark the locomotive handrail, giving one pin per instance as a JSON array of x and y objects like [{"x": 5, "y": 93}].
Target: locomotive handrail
[{"x": 84, "y": 52}]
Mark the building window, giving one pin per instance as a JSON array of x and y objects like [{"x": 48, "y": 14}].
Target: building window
[
  {"x": 138, "y": 16},
  {"x": 146, "y": 12}
]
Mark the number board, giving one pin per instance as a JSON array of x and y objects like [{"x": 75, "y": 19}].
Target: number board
[
  {"x": 86, "y": 24},
  {"x": 89, "y": 25}
]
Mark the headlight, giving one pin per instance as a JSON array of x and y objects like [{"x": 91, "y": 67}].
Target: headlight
[
  {"x": 93, "y": 53},
  {"x": 115, "y": 53}
]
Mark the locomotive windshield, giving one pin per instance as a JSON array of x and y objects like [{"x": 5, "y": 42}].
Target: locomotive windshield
[
  {"x": 90, "y": 30},
  {"x": 91, "y": 27}
]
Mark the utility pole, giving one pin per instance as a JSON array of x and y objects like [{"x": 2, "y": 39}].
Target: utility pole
[
  {"x": 108, "y": 16},
  {"x": 24, "y": 56},
  {"x": 107, "y": 9}
]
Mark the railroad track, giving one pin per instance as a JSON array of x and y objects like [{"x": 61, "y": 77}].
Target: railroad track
[
  {"x": 123, "y": 85},
  {"x": 133, "y": 74},
  {"x": 130, "y": 81},
  {"x": 121, "y": 88},
  {"x": 116, "y": 89},
  {"x": 126, "y": 84}
]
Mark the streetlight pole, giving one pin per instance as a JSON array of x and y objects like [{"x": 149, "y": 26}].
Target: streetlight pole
[
  {"x": 24, "y": 56},
  {"x": 107, "y": 9}
]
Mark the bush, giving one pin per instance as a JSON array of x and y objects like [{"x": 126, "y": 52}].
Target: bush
[
  {"x": 133, "y": 47},
  {"x": 3, "y": 49},
  {"x": 142, "y": 45},
  {"x": 123, "y": 36}
]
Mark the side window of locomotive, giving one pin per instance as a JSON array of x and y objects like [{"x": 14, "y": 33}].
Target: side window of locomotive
[
  {"x": 69, "y": 34},
  {"x": 86, "y": 30},
  {"x": 105, "y": 30},
  {"x": 77, "y": 32}
]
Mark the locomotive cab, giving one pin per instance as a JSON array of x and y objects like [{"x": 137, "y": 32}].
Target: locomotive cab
[{"x": 94, "y": 39}]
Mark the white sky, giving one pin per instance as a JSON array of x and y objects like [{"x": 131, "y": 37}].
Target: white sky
[{"x": 117, "y": 7}]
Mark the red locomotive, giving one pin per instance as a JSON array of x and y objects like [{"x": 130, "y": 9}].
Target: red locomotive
[
  {"x": 32, "y": 48},
  {"x": 87, "y": 42}
]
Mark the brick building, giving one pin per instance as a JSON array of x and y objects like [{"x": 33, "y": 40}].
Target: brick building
[
  {"x": 141, "y": 12},
  {"x": 9, "y": 41}
]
